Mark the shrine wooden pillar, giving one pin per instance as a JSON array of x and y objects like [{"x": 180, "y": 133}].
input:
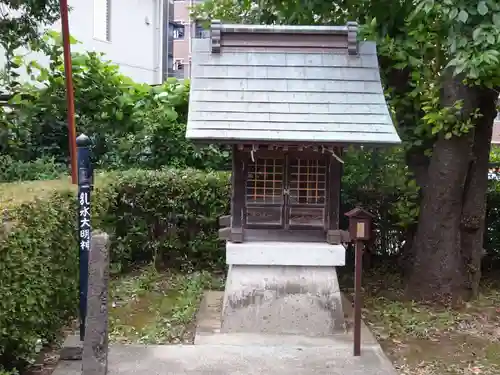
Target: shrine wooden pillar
[
  {"x": 237, "y": 196},
  {"x": 333, "y": 235}
]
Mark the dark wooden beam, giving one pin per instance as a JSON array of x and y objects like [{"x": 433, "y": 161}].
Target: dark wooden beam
[
  {"x": 237, "y": 196},
  {"x": 333, "y": 205},
  {"x": 280, "y": 153}
]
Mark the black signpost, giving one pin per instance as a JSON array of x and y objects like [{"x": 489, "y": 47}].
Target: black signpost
[{"x": 84, "y": 222}]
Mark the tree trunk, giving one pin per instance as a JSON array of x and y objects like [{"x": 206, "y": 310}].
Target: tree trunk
[
  {"x": 438, "y": 272},
  {"x": 474, "y": 201},
  {"x": 418, "y": 163}
]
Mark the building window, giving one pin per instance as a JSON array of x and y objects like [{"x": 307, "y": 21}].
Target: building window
[
  {"x": 179, "y": 32},
  {"x": 179, "y": 64},
  {"x": 171, "y": 28},
  {"x": 102, "y": 20},
  {"x": 200, "y": 32}
]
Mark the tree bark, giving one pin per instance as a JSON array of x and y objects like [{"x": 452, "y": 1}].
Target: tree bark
[
  {"x": 474, "y": 201},
  {"x": 438, "y": 272},
  {"x": 418, "y": 163}
]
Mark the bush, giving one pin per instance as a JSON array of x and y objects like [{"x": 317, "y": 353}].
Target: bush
[
  {"x": 38, "y": 276},
  {"x": 39, "y": 169},
  {"x": 168, "y": 216}
]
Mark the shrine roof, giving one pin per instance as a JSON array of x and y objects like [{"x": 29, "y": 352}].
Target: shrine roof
[{"x": 287, "y": 84}]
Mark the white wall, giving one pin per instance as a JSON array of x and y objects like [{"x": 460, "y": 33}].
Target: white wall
[{"x": 136, "y": 37}]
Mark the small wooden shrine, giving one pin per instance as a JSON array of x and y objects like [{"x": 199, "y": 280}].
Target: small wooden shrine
[{"x": 287, "y": 100}]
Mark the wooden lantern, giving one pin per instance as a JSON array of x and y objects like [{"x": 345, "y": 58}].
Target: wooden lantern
[{"x": 360, "y": 224}]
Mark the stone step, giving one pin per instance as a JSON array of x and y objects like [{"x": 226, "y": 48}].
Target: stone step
[
  {"x": 237, "y": 360},
  {"x": 254, "y": 339},
  {"x": 208, "y": 330}
]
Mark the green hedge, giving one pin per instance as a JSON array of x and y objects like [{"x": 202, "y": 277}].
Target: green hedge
[
  {"x": 38, "y": 276},
  {"x": 39, "y": 169},
  {"x": 169, "y": 217}
]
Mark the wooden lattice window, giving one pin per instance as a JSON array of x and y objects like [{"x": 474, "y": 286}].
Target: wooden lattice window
[
  {"x": 265, "y": 181},
  {"x": 307, "y": 192},
  {"x": 286, "y": 192},
  {"x": 307, "y": 182},
  {"x": 264, "y": 192}
]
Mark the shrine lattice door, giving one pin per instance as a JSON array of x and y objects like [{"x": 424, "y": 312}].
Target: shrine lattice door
[{"x": 286, "y": 192}]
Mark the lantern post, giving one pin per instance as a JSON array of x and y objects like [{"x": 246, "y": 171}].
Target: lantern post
[{"x": 360, "y": 223}]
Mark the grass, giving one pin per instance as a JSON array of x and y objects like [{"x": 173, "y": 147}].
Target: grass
[
  {"x": 426, "y": 340},
  {"x": 150, "y": 307},
  {"x": 14, "y": 193},
  {"x": 20, "y": 192}
]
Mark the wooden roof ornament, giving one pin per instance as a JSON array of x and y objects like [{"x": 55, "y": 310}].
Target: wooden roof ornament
[{"x": 295, "y": 84}]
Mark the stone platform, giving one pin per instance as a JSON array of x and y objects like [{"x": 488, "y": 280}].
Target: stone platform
[{"x": 278, "y": 287}]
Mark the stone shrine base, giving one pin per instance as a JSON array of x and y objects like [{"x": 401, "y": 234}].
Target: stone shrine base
[
  {"x": 216, "y": 353},
  {"x": 283, "y": 288},
  {"x": 282, "y": 300}
]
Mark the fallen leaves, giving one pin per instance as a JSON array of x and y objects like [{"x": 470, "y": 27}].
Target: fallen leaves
[{"x": 425, "y": 340}]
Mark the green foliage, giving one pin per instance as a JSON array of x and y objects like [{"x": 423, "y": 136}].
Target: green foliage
[
  {"x": 168, "y": 216},
  {"x": 39, "y": 265},
  {"x": 471, "y": 31},
  {"x": 131, "y": 125},
  {"x": 379, "y": 181},
  {"x": 39, "y": 169},
  {"x": 156, "y": 307},
  {"x": 495, "y": 155},
  {"x": 371, "y": 177}
]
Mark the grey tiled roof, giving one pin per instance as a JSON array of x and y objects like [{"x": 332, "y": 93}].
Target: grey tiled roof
[{"x": 241, "y": 95}]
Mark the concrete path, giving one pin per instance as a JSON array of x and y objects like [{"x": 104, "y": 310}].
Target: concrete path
[
  {"x": 236, "y": 360},
  {"x": 217, "y": 353}
]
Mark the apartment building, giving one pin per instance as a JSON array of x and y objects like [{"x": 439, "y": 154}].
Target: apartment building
[
  {"x": 134, "y": 34},
  {"x": 495, "y": 139},
  {"x": 185, "y": 30}
]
